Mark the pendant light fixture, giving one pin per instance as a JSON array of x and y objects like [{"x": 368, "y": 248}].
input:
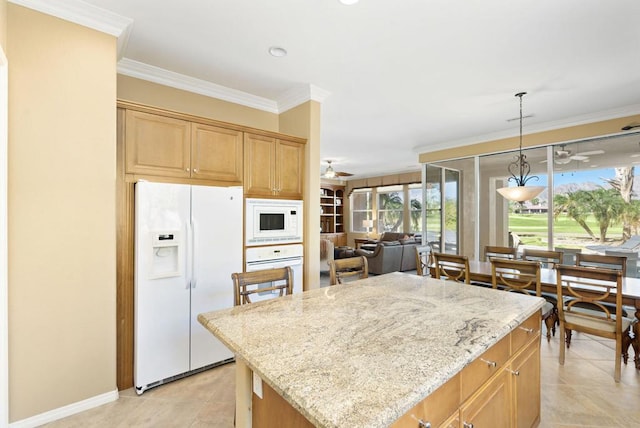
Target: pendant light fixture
[{"x": 520, "y": 192}]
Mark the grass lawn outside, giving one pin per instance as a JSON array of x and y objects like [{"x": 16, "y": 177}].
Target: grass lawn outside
[{"x": 532, "y": 230}]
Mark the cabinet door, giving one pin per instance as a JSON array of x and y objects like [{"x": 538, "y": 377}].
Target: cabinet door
[
  {"x": 259, "y": 165},
  {"x": 216, "y": 153},
  {"x": 157, "y": 145},
  {"x": 491, "y": 406},
  {"x": 289, "y": 169},
  {"x": 526, "y": 386},
  {"x": 452, "y": 422}
]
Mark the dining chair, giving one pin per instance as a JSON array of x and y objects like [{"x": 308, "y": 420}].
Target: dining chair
[
  {"x": 632, "y": 260},
  {"x": 548, "y": 258},
  {"x": 341, "y": 269},
  {"x": 451, "y": 267},
  {"x": 277, "y": 282},
  {"x": 423, "y": 260},
  {"x": 498, "y": 251},
  {"x": 522, "y": 276},
  {"x": 602, "y": 261},
  {"x": 591, "y": 286}
]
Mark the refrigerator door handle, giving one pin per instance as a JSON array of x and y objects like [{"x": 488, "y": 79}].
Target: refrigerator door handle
[
  {"x": 189, "y": 258},
  {"x": 193, "y": 252}
]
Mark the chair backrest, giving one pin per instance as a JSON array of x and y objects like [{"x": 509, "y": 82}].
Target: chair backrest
[
  {"x": 568, "y": 254},
  {"x": 548, "y": 258},
  {"x": 352, "y": 267},
  {"x": 632, "y": 260},
  {"x": 516, "y": 275},
  {"x": 501, "y": 252},
  {"x": 586, "y": 289},
  {"x": 601, "y": 261},
  {"x": 423, "y": 260},
  {"x": 277, "y": 282},
  {"x": 451, "y": 267}
]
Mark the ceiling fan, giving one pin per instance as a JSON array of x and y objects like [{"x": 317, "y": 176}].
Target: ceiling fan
[
  {"x": 331, "y": 173},
  {"x": 563, "y": 156}
]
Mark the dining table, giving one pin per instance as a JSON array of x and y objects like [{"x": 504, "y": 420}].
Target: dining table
[{"x": 480, "y": 271}]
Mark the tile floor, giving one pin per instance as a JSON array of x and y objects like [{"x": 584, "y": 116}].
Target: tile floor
[{"x": 581, "y": 393}]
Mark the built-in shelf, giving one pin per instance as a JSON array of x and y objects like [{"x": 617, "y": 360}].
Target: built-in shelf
[{"x": 332, "y": 213}]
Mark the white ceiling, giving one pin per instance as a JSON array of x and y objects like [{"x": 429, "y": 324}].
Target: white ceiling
[{"x": 404, "y": 76}]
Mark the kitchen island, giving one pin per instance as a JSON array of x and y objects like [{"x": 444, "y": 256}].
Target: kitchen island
[{"x": 379, "y": 351}]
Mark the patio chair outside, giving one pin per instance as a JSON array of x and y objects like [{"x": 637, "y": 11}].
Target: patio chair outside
[{"x": 631, "y": 244}]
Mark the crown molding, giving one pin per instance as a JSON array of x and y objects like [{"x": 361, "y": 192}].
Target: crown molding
[
  {"x": 296, "y": 96},
  {"x": 151, "y": 73},
  {"x": 84, "y": 14},
  {"x": 533, "y": 129}
]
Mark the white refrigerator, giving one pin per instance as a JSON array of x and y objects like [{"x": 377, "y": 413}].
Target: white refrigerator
[{"x": 188, "y": 242}]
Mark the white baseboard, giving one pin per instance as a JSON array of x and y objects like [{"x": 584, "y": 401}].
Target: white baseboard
[{"x": 63, "y": 412}]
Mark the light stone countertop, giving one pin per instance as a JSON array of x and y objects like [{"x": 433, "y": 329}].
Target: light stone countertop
[{"x": 364, "y": 353}]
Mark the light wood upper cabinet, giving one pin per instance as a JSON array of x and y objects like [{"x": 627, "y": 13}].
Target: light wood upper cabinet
[
  {"x": 289, "y": 169},
  {"x": 273, "y": 167},
  {"x": 216, "y": 153},
  {"x": 169, "y": 147},
  {"x": 157, "y": 145}
]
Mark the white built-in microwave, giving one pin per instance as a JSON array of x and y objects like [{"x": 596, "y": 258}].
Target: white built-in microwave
[{"x": 273, "y": 221}]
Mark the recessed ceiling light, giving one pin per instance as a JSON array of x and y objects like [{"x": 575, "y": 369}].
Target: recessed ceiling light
[
  {"x": 348, "y": 2},
  {"x": 277, "y": 51}
]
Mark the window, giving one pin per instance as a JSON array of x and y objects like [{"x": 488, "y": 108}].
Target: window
[
  {"x": 415, "y": 208},
  {"x": 361, "y": 211},
  {"x": 390, "y": 209}
]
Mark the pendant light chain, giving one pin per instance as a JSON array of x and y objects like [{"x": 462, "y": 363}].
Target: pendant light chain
[{"x": 519, "y": 170}]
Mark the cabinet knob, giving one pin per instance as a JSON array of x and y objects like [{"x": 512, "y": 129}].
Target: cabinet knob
[
  {"x": 489, "y": 363},
  {"x": 514, "y": 372},
  {"x": 187, "y": 169},
  {"x": 467, "y": 425},
  {"x": 421, "y": 423},
  {"x": 528, "y": 330},
  {"x": 195, "y": 170}
]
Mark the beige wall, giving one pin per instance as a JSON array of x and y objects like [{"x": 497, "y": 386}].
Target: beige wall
[
  {"x": 304, "y": 121},
  {"x": 62, "y": 273},
  {"x": 571, "y": 133},
  {"x": 153, "y": 94},
  {"x": 3, "y": 24}
]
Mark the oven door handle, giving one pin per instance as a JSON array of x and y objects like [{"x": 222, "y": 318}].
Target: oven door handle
[{"x": 274, "y": 264}]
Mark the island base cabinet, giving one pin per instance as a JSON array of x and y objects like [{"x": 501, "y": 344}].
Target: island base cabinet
[
  {"x": 491, "y": 406},
  {"x": 526, "y": 386},
  {"x": 273, "y": 411},
  {"x": 434, "y": 409}
]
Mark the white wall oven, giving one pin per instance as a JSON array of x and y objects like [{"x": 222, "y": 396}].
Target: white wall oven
[{"x": 273, "y": 221}]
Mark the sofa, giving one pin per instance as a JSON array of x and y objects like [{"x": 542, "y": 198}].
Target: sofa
[{"x": 392, "y": 252}]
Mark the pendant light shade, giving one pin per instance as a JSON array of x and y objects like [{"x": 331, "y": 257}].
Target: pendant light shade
[
  {"x": 519, "y": 170},
  {"x": 520, "y": 193}
]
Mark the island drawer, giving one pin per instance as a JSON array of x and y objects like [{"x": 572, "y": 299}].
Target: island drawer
[
  {"x": 525, "y": 332},
  {"x": 436, "y": 408},
  {"x": 482, "y": 368}
]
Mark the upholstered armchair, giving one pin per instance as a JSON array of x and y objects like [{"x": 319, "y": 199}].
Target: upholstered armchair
[{"x": 385, "y": 258}]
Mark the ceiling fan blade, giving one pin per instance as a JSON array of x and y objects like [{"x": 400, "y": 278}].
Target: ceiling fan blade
[
  {"x": 343, "y": 174},
  {"x": 579, "y": 157}
]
